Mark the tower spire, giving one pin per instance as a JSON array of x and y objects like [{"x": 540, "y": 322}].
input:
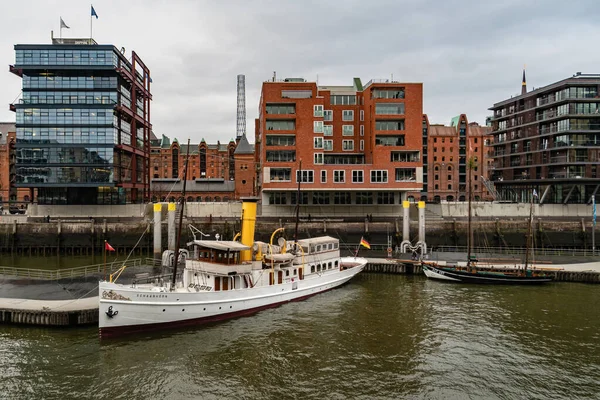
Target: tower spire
[{"x": 524, "y": 83}]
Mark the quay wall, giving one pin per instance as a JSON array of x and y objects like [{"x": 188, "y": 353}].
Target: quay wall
[
  {"x": 233, "y": 209},
  {"x": 86, "y": 236}
]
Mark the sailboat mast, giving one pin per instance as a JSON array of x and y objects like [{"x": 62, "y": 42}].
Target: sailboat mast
[
  {"x": 176, "y": 255},
  {"x": 469, "y": 231},
  {"x": 529, "y": 232},
  {"x": 298, "y": 202}
]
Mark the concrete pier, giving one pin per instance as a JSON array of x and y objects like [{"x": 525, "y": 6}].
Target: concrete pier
[{"x": 49, "y": 312}]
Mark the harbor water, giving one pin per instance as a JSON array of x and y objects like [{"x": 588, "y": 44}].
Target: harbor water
[{"x": 378, "y": 337}]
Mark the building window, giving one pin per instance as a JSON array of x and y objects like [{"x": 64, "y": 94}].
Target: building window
[
  {"x": 379, "y": 176},
  {"x": 347, "y": 145},
  {"x": 449, "y": 187},
  {"x": 328, "y": 145},
  {"x": 318, "y": 143},
  {"x": 318, "y": 127},
  {"x": 358, "y": 176},
  {"x": 339, "y": 176},
  {"x": 389, "y": 108},
  {"x": 277, "y": 198},
  {"x": 321, "y": 198},
  {"x": 323, "y": 176},
  {"x": 348, "y": 115},
  {"x": 279, "y": 140},
  {"x": 342, "y": 198},
  {"x": 280, "y": 125},
  {"x": 389, "y": 125},
  {"x": 405, "y": 156},
  {"x": 308, "y": 176},
  {"x": 362, "y": 115},
  {"x": 362, "y": 130},
  {"x": 388, "y": 93},
  {"x": 303, "y": 198},
  {"x": 318, "y": 110},
  {"x": 449, "y": 177},
  {"x": 406, "y": 175},
  {"x": 364, "y": 197},
  {"x": 279, "y": 109},
  {"x": 343, "y": 100},
  {"x": 328, "y": 115},
  {"x": 362, "y": 145},
  {"x": 328, "y": 130},
  {"x": 389, "y": 140},
  {"x": 385, "y": 198},
  {"x": 318, "y": 158},
  {"x": 296, "y": 94},
  {"x": 347, "y": 130},
  {"x": 280, "y": 174}
]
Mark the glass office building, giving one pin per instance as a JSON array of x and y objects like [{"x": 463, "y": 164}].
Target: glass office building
[{"x": 83, "y": 123}]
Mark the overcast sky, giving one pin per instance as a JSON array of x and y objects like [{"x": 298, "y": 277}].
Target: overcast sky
[{"x": 469, "y": 54}]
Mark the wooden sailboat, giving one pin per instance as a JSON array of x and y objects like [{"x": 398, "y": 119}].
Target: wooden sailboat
[{"x": 472, "y": 273}]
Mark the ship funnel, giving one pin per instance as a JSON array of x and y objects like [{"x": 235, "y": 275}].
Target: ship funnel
[{"x": 248, "y": 224}]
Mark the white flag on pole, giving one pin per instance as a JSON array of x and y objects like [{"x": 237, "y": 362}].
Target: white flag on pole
[
  {"x": 534, "y": 193},
  {"x": 62, "y": 24}
]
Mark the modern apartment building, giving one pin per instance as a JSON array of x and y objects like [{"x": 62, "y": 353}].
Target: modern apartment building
[
  {"x": 450, "y": 148},
  {"x": 346, "y": 145},
  {"x": 548, "y": 139},
  {"x": 216, "y": 172},
  {"x": 82, "y": 123}
]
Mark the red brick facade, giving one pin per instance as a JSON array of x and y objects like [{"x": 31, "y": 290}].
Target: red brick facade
[
  {"x": 448, "y": 156},
  {"x": 365, "y": 142},
  {"x": 7, "y": 164},
  {"x": 215, "y": 172}
]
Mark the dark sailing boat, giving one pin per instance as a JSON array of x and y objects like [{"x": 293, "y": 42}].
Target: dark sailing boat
[{"x": 471, "y": 273}]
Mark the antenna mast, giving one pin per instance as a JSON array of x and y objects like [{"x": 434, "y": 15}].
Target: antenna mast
[{"x": 241, "y": 106}]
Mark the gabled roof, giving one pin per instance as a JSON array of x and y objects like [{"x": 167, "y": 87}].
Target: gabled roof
[{"x": 243, "y": 147}]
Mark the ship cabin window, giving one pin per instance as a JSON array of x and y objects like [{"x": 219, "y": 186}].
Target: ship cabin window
[
  {"x": 329, "y": 266},
  {"x": 287, "y": 272},
  {"x": 312, "y": 269},
  {"x": 336, "y": 264},
  {"x": 295, "y": 272},
  {"x": 219, "y": 256}
]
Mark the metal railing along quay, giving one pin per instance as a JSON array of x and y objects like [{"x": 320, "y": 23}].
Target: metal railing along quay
[{"x": 76, "y": 272}]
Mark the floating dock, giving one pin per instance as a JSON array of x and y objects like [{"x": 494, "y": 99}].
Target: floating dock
[{"x": 61, "y": 313}]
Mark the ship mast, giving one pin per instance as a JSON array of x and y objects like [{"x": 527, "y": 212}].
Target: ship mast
[
  {"x": 470, "y": 232},
  {"x": 182, "y": 203},
  {"x": 298, "y": 202},
  {"x": 529, "y": 231}
]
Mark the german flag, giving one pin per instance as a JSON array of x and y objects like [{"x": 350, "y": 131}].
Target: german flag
[{"x": 363, "y": 242}]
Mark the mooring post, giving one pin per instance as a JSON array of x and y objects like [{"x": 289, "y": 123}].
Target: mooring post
[
  {"x": 171, "y": 231},
  {"x": 157, "y": 231}
]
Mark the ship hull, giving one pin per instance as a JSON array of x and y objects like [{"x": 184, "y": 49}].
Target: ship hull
[
  {"x": 450, "y": 274},
  {"x": 127, "y": 310}
]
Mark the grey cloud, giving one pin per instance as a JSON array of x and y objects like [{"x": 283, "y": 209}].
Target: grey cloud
[{"x": 468, "y": 53}]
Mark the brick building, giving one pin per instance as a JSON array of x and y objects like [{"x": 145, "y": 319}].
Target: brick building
[
  {"x": 355, "y": 145},
  {"x": 216, "y": 172},
  {"x": 548, "y": 139},
  {"x": 450, "y": 148}
]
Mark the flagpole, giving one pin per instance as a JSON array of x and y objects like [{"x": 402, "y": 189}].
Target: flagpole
[
  {"x": 91, "y": 19},
  {"x": 60, "y": 23}
]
